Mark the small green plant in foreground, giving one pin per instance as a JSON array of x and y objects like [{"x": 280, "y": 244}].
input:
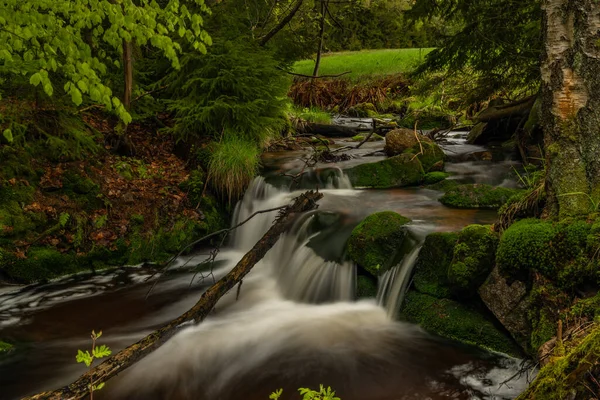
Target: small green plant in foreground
[
  {"x": 98, "y": 352},
  {"x": 309, "y": 394}
]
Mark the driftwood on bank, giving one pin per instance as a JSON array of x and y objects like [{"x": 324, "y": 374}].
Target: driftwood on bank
[
  {"x": 518, "y": 108},
  {"x": 130, "y": 355}
]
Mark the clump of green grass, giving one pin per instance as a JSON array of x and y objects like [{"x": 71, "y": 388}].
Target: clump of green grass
[
  {"x": 313, "y": 114},
  {"x": 365, "y": 63},
  {"x": 233, "y": 164}
]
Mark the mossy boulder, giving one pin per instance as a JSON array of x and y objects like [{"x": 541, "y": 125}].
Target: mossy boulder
[
  {"x": 398, "y": 171},
  {"x": 434, "y": 177},
  {"x": 444, "y": 185},
  {"x": 526, "y": 246},
  {"x": 375, "y": 242},
  {"x": 453, "y": 320},
  {"x": 430, "y": 154},
  {"x": 477, "y": 196},
  {"x": 399, "y": 140},
  {"x": 431, "y": 269},
  {"x": 366, "y": 287},
  {"x": 473, "y": 259}
]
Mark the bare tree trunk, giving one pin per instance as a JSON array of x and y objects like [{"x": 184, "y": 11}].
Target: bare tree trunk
[
  {"x": 321, "y": 39},
  {"x": 571, "y": 103},
  {"x": 132, "y": 354},
  {"x": 128, "y": 71}
]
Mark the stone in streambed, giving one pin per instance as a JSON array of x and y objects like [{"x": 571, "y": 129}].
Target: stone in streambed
[
  {"x": 453, "y": 320},
  {"x": 374, "y": 243},
  {"x": 473, "y": 259},
  {"x": 398, "y": 171},
  {"x": 431, "y": 269},
  {"x": 478, "y": 196},
  {"x": 405, "y": 141}
]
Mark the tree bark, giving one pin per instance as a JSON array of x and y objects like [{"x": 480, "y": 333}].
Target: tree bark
[
  {"x": 128, "y": 72},
  {"x": 284, "y": 21},
  {"x": 570, "y": 104},
  {"x": 321, "y": 39},
  {"x": 132, "y": 354}
]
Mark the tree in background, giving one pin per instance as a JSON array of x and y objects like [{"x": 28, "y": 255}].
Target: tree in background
[{"x": 73, "y": 44}]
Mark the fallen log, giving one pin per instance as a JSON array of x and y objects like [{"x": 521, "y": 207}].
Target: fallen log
[
  {"x": 518, "y": 108},
  {"x": 135, "y": 352},
  {"x": 329, "y": 130}
]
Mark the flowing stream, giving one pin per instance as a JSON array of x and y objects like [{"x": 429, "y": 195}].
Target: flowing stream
[{"x": 293, "y": 323}]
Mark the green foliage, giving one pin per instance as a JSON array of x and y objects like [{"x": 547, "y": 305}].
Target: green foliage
[
  {"x": 477, "y": 196},
  {"x": 233, "y": 164},
  {"x": 236, "y": 90},
  {"x": 74, "y": 44},
  {"x": 310, "y": 394},
  {"x": 496, "y": 39},
  {"x": 41, "y": 264},
  {"x": 473, "y": 259},
  {"x": 312, "y": 114},
  {"x": 374, "y": 243},
  {"x": 5, "y": 347},
  {"x": 398, "y": 171},
  {"x": 365, "y": 63},
  {"x": 98, "y": 352}
]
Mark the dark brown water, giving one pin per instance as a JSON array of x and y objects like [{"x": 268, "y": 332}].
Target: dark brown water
[{"x": 295, "y": 323}]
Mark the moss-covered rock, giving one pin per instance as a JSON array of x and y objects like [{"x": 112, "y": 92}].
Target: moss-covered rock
[
  {"x": 374, "y": 243},
  {"x": 366, "y": 287},
  {"x": 473, "y": 259},
  {"x": 399, "y": 140},
  {"x": 398, "y": 171},
  {"x": 431, "y": 269},
  {"x": 527, "y": 246},
  {"x": 450, "y": 319},
  {"x": 431, "y": 178},
  {"x": 429, "y": 153},
  {"x": 445, "y": 185},
  {"x": 570, "y": 376},
  {"x": 477, "y": 196}
]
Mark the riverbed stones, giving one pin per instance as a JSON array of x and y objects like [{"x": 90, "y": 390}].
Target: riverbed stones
[
  {"x": 478, "y": 196},
  {"x": 399, "y": 140},
  {"x": 398, "y": 171},
  {"x": 431, "y": 269},
  {"x": 374, "y": 243}
]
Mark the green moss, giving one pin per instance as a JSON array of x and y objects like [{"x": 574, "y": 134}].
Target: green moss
[
  {"x": 137, "y": 219},
  {"x": 5, "y": 347},
  {"x": 568, "y": 376},
  {"x": 477, "y": 196},
  {"x": 473, "y": 259},
  {"x": 374, "y": 138},
  {"x": 398, "y": 171},
  {"x": 445, "y": 185},
  {"x": 41, "y": 264},
  {"x": 585, "y": 308},
  {"x": 428, "y": 153},
  {"x": 450, "y": 319},
  {"x": 431, "y": 269},
  {"x": 374, "y": 243},
  {"x": 366, "y": 287},
  {"x": 434, "y": 177}
]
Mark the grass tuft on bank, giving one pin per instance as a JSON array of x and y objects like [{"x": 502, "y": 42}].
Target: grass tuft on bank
[{"x": 365, "y": 63}]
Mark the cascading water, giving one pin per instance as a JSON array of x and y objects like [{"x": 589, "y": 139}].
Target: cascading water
[{"x": 295, "y": 323}]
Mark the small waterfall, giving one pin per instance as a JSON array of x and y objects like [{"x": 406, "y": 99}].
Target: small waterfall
[{"x": 301, "y": 274}]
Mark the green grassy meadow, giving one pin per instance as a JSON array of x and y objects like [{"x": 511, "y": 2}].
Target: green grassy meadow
[{"x": 365, "y": 63}]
